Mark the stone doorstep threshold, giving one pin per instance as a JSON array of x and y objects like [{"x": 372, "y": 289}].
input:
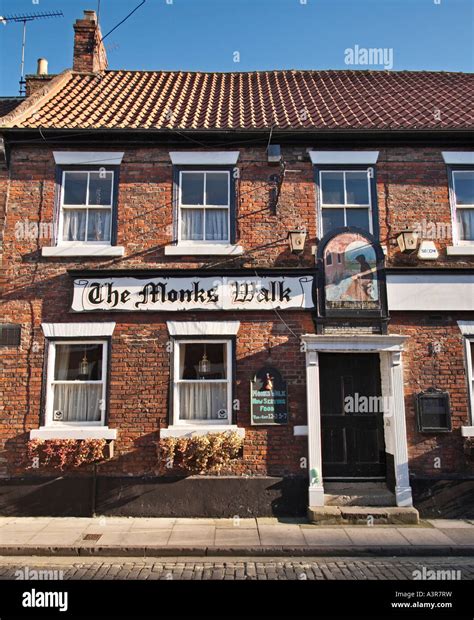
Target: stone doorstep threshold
[
  {"x": 354, "y": 515},
  {"x": 141, "y": 551}
]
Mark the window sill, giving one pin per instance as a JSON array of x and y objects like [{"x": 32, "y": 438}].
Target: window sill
[
  {"x": 83, "y": 250},
  {"x": 467, "y": 431},
  {"x": 83, "y": 432},
  {"x": 194, "y": 431},
  {"x": 460, "y": 250},
  {"x": 204, "y": 249}
]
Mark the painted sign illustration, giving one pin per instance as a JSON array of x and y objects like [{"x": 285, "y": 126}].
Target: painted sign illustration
[{"x": 351, "y": 279}]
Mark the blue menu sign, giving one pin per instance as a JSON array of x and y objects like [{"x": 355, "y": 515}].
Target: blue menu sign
[{"x": 268, "y": 397}]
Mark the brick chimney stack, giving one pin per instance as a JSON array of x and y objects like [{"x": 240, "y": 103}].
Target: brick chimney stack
[
  {"x": 37, "y": 80},
  {"x": 89, "y": 51}
]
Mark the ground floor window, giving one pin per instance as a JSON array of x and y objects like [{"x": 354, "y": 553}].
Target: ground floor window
[
  {"x": 76, "y": 382},
  {"x": 202, "y": 381}
]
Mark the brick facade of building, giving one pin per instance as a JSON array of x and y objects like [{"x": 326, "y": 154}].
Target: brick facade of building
[{"x": 412, "y": 187}]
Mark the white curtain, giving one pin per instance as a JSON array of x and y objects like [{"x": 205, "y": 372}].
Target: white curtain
[
  {"x": 466, "y": 224},
  {"x": 74, "y": 228},
  {"x": 191, "y": 224},
  {"x": 98, "y": 225},
  {"x": 202, "y": 401},
  {"x": 216, "y": 225},
  {"x": 78, "y": 402}
]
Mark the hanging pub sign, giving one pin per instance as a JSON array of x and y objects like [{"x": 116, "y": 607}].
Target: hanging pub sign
[
  {"x": 351, "y": 274},
  {"x": 192, "y": 292},
  {"x": 268, "y": 397}
]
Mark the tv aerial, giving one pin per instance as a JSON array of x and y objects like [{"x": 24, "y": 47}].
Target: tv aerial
[{"x": 24, "y": 18}]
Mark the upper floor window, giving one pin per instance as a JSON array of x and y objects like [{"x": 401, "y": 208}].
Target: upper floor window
[
  {"x": 204, "y": 206},
  {"x": 87, "y": 198},
  {"x": 463, "y": 205},
  {"x": 345, "y": 199},
  {"x": 85, "y": 221}
]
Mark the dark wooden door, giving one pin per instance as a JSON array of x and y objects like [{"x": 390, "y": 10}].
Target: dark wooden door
[{"x": 351, "y": 428}]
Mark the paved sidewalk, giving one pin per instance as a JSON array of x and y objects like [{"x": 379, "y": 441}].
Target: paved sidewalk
[{"x": 154, "y": 537}]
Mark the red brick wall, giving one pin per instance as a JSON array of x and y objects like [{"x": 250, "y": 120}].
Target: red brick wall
[
  {"x": 438, "y": 453},
  {"x": 411, "y": 184}
]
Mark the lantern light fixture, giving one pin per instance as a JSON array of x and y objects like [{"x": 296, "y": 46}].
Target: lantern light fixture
[
  {"x": 407, "y": 240},
  {"x": 296, "y": 240},
  {"x": 84, "y": 365},
  {"x": 204, "y": 365}
]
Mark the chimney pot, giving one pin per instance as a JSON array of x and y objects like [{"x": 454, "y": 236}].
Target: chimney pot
[
  {"x": 90, "y": 16},
  {"x": 42, "y": 66}
]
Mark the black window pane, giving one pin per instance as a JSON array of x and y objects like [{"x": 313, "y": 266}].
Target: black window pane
[
  {"x": 358, "y": 217},
  {"x": 332, "y": 218},
  {"x": 75, "y": 188},
  {"x": 464, "y": 187},
  {"x": 100, "y": 188},
  {"x": 217, "y": 188},
  {"x": 192, "y": 354},
  {"x": 332, "y": 185},
  {"x": 78, "y": 362},
  {"x": 10, "y": 335},
  {"x": 192, "y": 188},
  {"x": 357, "y": 188}
]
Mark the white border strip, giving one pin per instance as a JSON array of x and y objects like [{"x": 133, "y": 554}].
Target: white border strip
[
  {"x": 73, "y": 330},
  {"x": 458, "y": 157},
  {"x": 430, "y": 292},
  {"x": 344, "y": 157},
  {"x": 94, "y": 432},
  {"x": 203, "y": 328},
  {"x": 204, "y": 158},
  {"x": 89, "y": 158}
]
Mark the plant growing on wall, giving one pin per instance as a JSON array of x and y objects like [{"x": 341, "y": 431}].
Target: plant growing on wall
[
  {"x": 202, "y": 454},
  {"x": 64, "y": 453}
]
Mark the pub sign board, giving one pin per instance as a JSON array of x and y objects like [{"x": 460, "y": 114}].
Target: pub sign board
[
  {"x": 177, "y": 293},
  {"x": 268, "y": 398},
  {"x": 352, "y": 277}
]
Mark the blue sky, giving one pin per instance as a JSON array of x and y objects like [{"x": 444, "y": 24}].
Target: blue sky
[{"x": 204, "y": 35}]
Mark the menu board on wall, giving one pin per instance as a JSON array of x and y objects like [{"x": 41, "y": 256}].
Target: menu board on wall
[{"x": 268, "y": 398}]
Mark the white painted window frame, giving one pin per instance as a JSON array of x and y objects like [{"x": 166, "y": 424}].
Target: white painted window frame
[
  {"x": 62, "y": 207},
  {"x": 454, "y": 207},
  {"x": 468, "y": 341},
  {"x": 50, "y": 382},
  {"x": 204, "y": 208},
  {"x": 344, "y": 206},
  {"x": 177, "y": 422}
]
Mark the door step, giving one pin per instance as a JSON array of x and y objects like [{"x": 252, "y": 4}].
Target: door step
[
  {"x": 362, "y": 515},
  {"x": 358, "y": 494}
]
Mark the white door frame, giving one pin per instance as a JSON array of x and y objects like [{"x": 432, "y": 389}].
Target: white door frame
[{"x": 390, "y": 351}]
